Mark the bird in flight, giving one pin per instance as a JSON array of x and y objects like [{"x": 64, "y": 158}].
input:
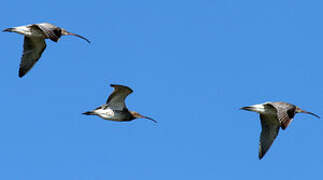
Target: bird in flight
[
  {"x": 34, "y": 42},
  {"x": 115, "y": 108},
  {"x": 273, "y": 116}
]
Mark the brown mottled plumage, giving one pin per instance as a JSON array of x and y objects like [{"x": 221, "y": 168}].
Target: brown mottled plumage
[
  {"x": 115, "y": 108},
  {"x": 273, "y": 116},
  {"x": 34, "y": 42}
]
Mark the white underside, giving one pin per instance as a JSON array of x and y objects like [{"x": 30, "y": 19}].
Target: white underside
[
  {"x": 105, "y": 113},
  {"x": 109, "y": 114}
]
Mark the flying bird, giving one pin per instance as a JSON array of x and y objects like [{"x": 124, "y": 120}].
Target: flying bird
[
  {"x": 34, "y": 42},
  {"x": 273, "y": 116},
  {"x": 115, "y": 108}
]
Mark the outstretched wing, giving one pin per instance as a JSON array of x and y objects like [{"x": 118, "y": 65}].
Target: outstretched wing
[
  {"x": 285, "y": 113},
  {"x": 33, "y": 49},
  {"x": 116, "y": 100},
  {"x": 52, "y": 32},
  {"x": 270, "y": 128}
]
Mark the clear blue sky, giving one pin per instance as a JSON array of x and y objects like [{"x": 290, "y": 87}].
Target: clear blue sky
[{"x": 191, "y": 64}]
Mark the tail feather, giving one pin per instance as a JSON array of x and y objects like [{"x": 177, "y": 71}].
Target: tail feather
[
  {"x": 8, "y": 30},
  {"x": 88, "y": 113}
]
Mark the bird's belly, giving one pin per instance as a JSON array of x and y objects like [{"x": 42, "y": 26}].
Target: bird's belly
[
  {"x": 105, "y": 113},
  {"x": 120, "y": 116},
  {"x": 109, "y": 114}
]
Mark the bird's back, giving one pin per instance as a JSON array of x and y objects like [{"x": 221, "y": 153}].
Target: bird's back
[
  {"x": 285, "y": 113},
  {"x": 283, "y": 106}
]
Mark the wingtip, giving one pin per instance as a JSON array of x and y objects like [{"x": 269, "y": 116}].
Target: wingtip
[
  {"x": 21, "y": 74},
  {"x": 122, "y": 86},
  {"x": 114, "y": 85},
  {"x": 261, "y": 155}
]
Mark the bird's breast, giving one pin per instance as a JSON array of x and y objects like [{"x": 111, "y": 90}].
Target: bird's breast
[
  {"x": 105, "y": 113},
  {"x": 112, "y": 115}
]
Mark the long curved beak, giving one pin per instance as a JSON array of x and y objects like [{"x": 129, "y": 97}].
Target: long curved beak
[
  {"x": 73, "y": 34},
  {"x": 302, "y": 111},
  {"x": 145, "y": 117}
]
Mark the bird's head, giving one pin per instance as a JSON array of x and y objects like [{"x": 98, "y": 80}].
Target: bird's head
[
  {"x": 137, "y": 115},
  {"x": 299, "y": 110},
  {"x": 64, "y": 32}
]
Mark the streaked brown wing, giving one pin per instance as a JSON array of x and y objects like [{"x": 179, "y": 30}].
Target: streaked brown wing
[
  {"x": 285, "y": 113},
  {"x": 33, "y": 49},
  {"x": 116, "y": 100},
  {"x": 270, "y": 128},
  {"x": 52, "y": 32},
  {"x": 285, "y": 119}
]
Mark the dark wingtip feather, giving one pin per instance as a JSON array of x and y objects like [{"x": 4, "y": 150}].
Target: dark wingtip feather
[
  {"x": 21, "y": 73},
  {"x": 121, "y": 86},
  {"x": 117, "y": 85},
  {"x": 262, "y": 152},
  {"x": 260, "y": 156}
]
